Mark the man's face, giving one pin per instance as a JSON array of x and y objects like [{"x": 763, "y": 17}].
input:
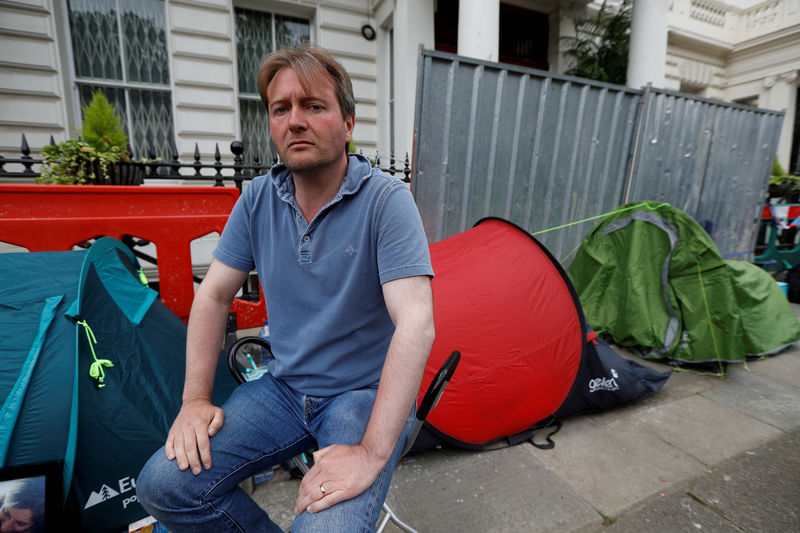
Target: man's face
[
  {"x": 13, "y": 520},
  {"x": 308, "y": 130}
]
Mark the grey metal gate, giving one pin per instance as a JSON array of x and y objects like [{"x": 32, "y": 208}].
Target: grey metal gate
[{"x": 544, "y": 150}]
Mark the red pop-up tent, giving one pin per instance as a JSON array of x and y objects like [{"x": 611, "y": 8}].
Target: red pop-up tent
[{"x": 526, "y": 351}]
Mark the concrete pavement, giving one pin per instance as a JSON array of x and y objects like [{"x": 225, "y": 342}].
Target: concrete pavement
[{"x": 703, "y": 454}]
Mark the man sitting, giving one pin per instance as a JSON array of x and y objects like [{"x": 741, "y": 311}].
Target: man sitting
[{"x": 343, "y": 261}]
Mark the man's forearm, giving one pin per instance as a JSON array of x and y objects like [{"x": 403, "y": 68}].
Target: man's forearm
[
  {"x": 397, "y": 391},
  {"x": 402, "y": 373},
  {"x": 206, "y": 330},
  {"x": 203, "y": 341}
]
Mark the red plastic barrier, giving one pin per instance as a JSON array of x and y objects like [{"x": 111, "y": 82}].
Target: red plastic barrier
[
  {"x": 56, "y": 217},
  {"x": 793, "y": 212}
]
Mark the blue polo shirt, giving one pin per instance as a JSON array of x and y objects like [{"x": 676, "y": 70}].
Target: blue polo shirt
[{"x": 328, "y": 322}]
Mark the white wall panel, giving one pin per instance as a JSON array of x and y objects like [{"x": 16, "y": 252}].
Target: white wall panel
[
  {"x": 203, "y": 73},
  {"x": 30, "y": 111},
  {"x": 206, "y": 123},
  {"x": 31, "y": 91},
  {"x": 204, "y": 97},
  {"x": 365, "y": 90},
  {"x": 200, "y": 21},
  {"x": 22, "y": 22},
  {"x": 27, "y": 52},
  {"x": 193, "y": 45},
  {"x": 17, "y": 80}
]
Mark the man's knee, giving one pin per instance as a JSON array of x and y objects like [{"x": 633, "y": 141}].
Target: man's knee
[{"x": 161, "y": 485}]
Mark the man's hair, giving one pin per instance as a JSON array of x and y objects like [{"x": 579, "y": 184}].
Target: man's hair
[
  {"x": 310, "y": 63},
  {"x": 28, "y": 494}
]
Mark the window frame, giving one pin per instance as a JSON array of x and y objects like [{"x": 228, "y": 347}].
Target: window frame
[{"x": 75, "y": 82}]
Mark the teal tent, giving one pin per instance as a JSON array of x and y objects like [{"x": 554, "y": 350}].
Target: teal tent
[
  {"x": 651, "y": 279},
  {"x": 91, "y": 373}
]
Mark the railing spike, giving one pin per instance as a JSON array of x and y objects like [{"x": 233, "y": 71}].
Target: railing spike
[
  {"x": 197, "y": 163},
  {"x": 176, "y": 163},
  {"x": 218, "y": 167}
]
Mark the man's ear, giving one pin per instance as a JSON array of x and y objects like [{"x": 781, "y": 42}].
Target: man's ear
[{"x": 350, "y": 123}]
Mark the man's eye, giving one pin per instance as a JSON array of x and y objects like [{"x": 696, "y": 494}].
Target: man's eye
[{"x": 315, "y": 107}]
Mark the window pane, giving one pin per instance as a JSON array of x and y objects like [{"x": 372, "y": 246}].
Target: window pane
[
  {"x": 95, "y": 39},
  {"x": 144, "y": 32},
  {"x": 291, "y": 31},
  {"x": 151, "y": 120},
  {"x": 115, "y": 97},
  {"x": 255, "y": 132},
  {"x": 253, "y": 42}
]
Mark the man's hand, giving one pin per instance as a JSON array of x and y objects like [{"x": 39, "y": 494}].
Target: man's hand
[
  {"x": 188, "y": 437},
  {"x": 343, "y": 471}
]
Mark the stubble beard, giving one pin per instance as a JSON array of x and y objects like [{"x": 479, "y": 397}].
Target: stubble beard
[{"x": 303, "y": 164}]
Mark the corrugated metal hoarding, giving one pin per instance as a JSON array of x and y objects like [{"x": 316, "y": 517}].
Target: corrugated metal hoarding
[
  {"x": 544, "y": 150},
  {"x": 708, "y": 158}
]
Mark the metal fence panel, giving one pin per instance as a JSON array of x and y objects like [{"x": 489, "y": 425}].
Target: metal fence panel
[
  {"x": 545, "y": 150},
  {"x": 708, "y": 158},
  {"x": 537, "y": 149}
]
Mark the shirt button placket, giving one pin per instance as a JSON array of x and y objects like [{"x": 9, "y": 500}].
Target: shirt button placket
[{"x": 305, "y": 249}]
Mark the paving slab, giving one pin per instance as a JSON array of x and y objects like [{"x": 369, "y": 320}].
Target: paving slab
[
  {"x": 614, "y": 465},
  {"x": 759, "y": 492},
  {"x": 702, "y": 428},
  {"x": 277, "y": 498},
  {"x": 783, "y": 368},
  {"x": 673, "y": 513},
  {"x": 506, "y": 490},
  {"x": 762, "y": 398}
]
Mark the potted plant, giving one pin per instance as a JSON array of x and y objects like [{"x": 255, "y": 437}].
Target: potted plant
[
  {"x": 782, "y": 185},
  {"x": 98, "y": 156}
]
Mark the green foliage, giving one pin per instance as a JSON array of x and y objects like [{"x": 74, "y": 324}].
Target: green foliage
[
  {"x": 91, "y": 157},
  {"x": 101, "y": 126},
  {"x": 781, "y": 177},
  {"x": 76, "y": 162},
  {"x": 599, "y": 49}
]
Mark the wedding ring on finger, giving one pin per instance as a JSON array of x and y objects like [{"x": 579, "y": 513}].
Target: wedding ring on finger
[{"x": 322, "y": 490}]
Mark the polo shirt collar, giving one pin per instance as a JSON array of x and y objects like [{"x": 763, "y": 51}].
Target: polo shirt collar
[{"x": 359, "y": 170}]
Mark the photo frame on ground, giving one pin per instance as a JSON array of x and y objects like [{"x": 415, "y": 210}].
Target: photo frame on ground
[{"x": 32, "y": 493}]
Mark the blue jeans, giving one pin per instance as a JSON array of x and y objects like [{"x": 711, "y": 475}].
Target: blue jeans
[{"x": 266, "y": 423}]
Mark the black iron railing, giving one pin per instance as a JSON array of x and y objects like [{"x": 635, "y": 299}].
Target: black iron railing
[{"x": 195, "y": 170}]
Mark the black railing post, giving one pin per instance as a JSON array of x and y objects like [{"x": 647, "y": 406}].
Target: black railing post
[
  {"x": 152, "y": 166},
  {"x": 237, "y": 148},
  {"x": 197, "y": 164},
  {"x": 27, "y": 160},
  {"x": 218, "y": 167},
  {"x": 175, "y": 165},
  {"x": 407, "y": 171}
]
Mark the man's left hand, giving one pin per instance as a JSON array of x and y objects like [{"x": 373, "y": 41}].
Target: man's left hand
[{"x": 340, "y": 473}]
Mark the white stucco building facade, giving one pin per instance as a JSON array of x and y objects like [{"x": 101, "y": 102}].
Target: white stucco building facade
[{"x": 207, "y": 50}]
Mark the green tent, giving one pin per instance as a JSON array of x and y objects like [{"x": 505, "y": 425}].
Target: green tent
[
  {"x": 652, "y": 280},
  {"x": 91, "y": 374}
]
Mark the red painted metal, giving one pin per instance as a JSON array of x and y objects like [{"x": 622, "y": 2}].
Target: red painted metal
[
  {"x": 793, "y": 213},
  {"x": 56, "y": 217}
]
